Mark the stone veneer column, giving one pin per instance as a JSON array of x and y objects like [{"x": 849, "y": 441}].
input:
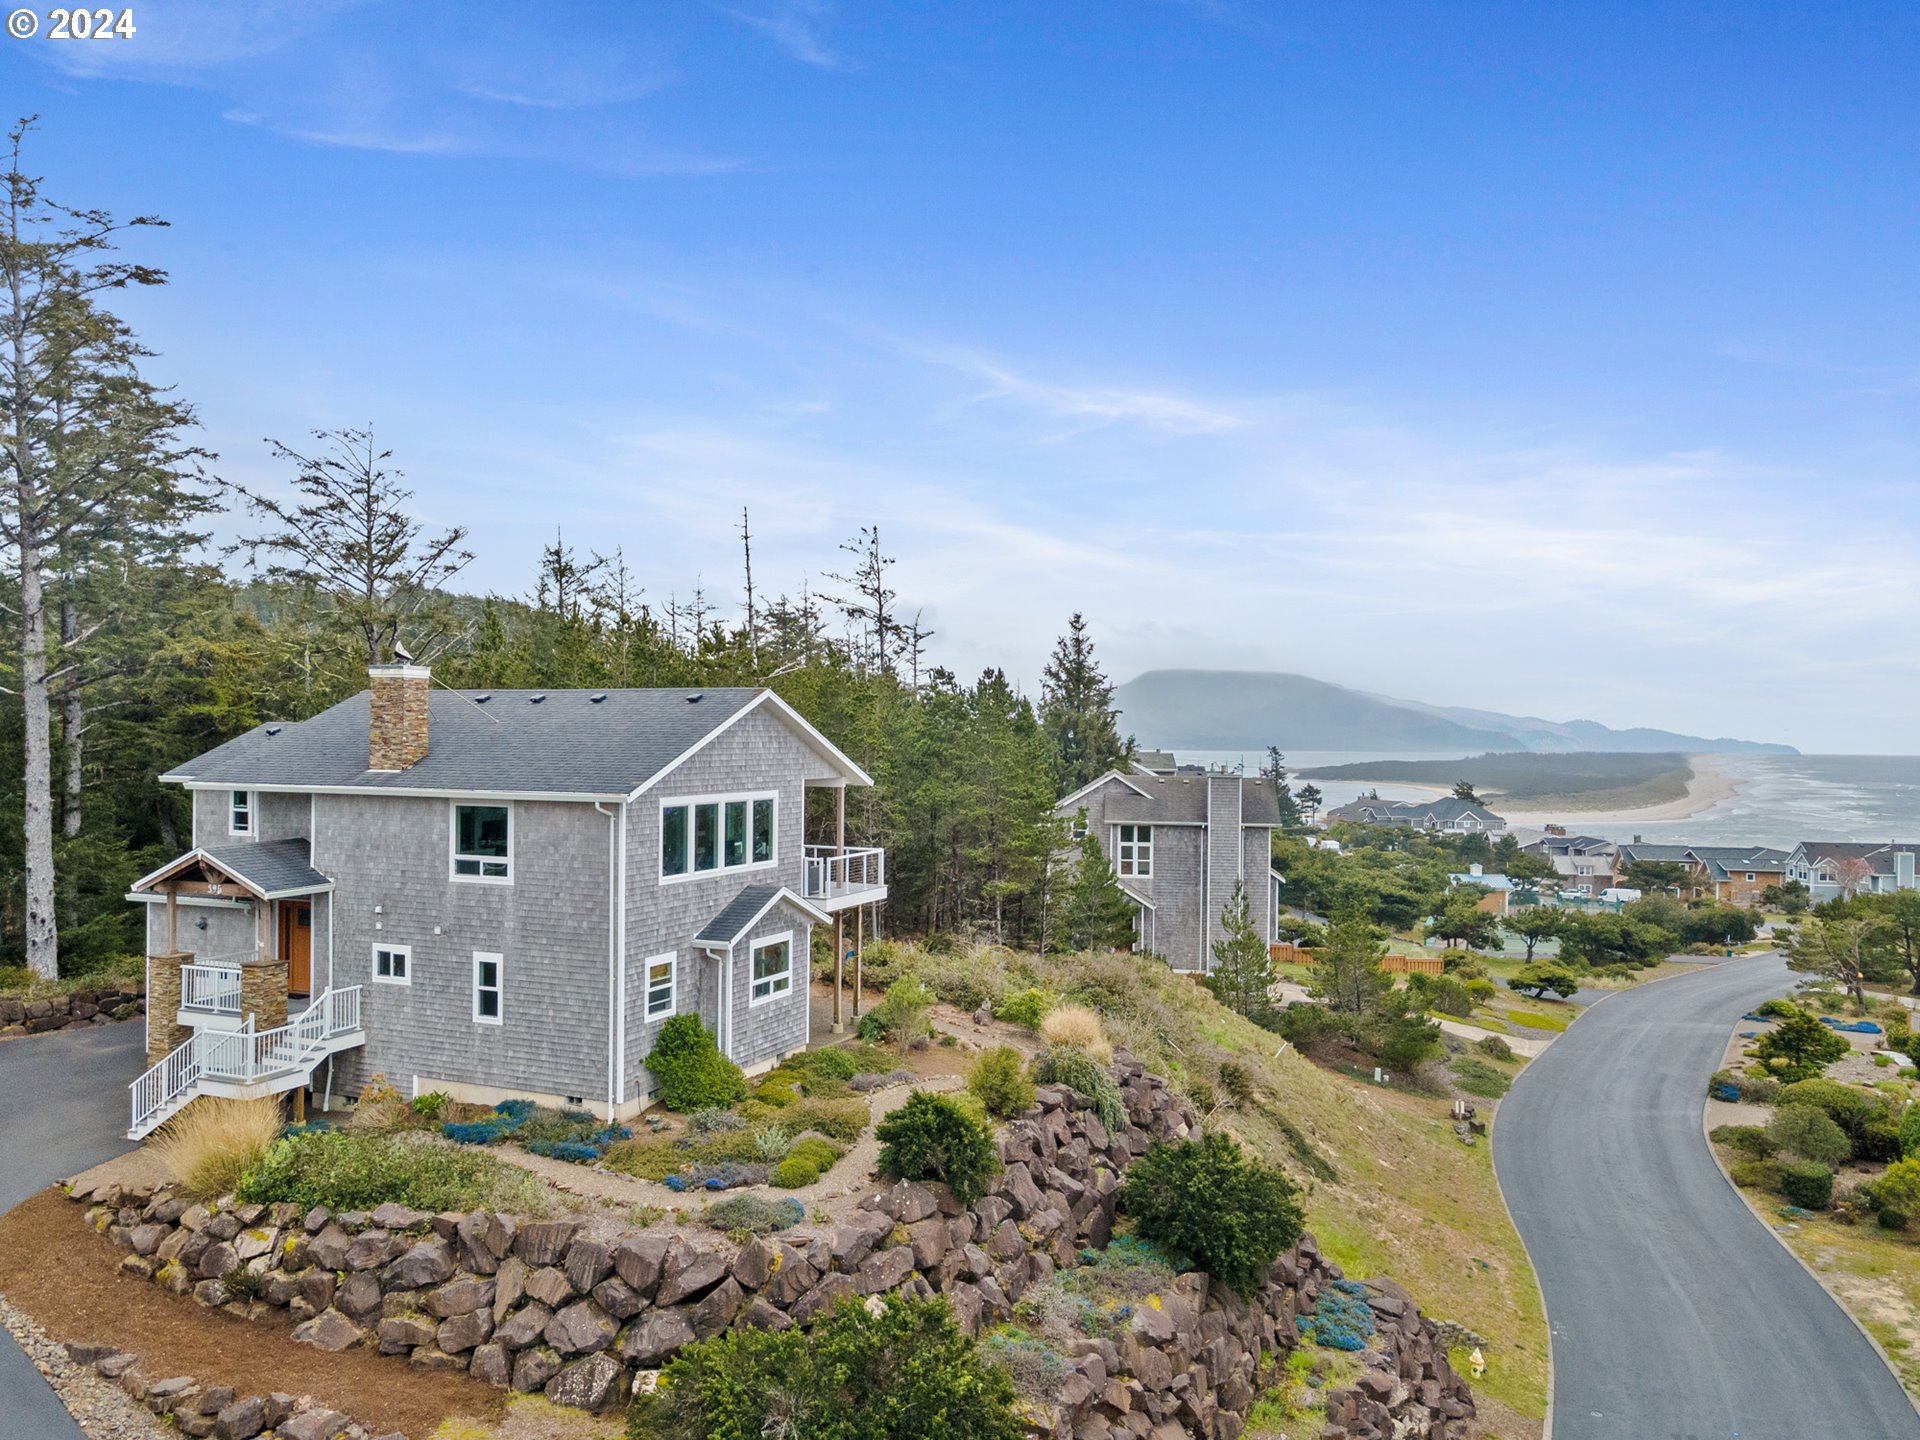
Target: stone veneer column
[
  {"x": 263, "y": 992},
  {"x": 165, "y": 1033},
  {"x": 397, "y": 716}
]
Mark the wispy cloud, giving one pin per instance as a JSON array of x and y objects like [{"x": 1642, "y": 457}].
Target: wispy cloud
[
  {"x": 796, "y": 27},
  {"x": 1084, "y": 406}
]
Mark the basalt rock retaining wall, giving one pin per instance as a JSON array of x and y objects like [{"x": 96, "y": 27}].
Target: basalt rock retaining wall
[
  {"x": 582, "y": 1310},
  {"x": 22, "y": 1016}
]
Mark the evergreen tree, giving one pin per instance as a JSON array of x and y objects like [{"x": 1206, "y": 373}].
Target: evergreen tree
[
  {"x": 1347, "y": 973},
  {"x": 1242, "y": 975},
  {"x": 1095, "y": 913},
  {"x": 1275, "y": 769},
  {"x": 1076, "y": 707}
]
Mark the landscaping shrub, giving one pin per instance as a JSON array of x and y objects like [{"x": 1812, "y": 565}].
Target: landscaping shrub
[
  {"x": 1899, "y": 1188},
  {"x": 1910, "y": 1130},
  {"x": 1809, "y": 1132},
  {"x": 1024, "y": 1007},
  {"x": 901, "y": 1015},
  {"x": 1480, "y": 990},
  {"x": 429, "y": 1105},
  {"x": 1748, "y": 1139},
  {"x": 1476, "y": 1077},
  {"x": 999, "y": 1081},
  {"x": 832, "y": 1061},
  {"x": 1807, "y": 1184},
  {"x": 1542, "y": 977},
  {"x": 1208, "y": 1204},
  {"x": 1079, "y": 1027},
  {"x": 842, "y": 1120},
  {"x": 821, "y": 1154},
  {"x": 1850, "y": 1108},
  {"x": 904, "y": 1372},
  {"x": 753, "y": 1215},
  {"x": 1076, "y": 1070},
  {"x": 1777, "y": 1009},
  {"x": 1891, "y": 1219},
  {"x": 1760, "y": 1090},
  {"x": 690, "y": 1071},
  {"x": 715, "y": 1121},
  {"x": 348, "y": 1170},
  {"x": 1878, "y": 1143},
  {"x": 212, "y": 1142},
  {"x": 932, "y": 1138},
  {"x": 1442, "y": 993},
  {"x": 1800, "y": 1047},
  {"x": 1341, "y": 1318},
  {"x": 777, "y": 1093},
  {"x": 793, "y": 1173},
  {"x": 881, "y": 963},
  {"x": 1757, "y": 1174},
  {"x": 1494, "y": 1048}
]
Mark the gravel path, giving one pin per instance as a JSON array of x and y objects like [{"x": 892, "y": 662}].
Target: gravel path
[
  {"x": 840, "y": 1189},
  {"x": 1673, "y": 1313},
  {"x": 101, "y": 1408}
]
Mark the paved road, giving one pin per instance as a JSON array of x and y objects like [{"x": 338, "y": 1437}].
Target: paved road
[
  {"x": 1675, "y": 1316},
  {"x": 63, "y": 1109}
]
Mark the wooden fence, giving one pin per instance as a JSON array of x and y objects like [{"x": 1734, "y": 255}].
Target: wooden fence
[{"x": 1413, "y": 965}]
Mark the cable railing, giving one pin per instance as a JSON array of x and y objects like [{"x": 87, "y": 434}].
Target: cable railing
[{"x": 841, "y": 870}]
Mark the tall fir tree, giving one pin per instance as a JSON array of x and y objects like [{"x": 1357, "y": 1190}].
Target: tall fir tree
[
  {"x": 1076, "y": 707},
  {"x": 1094, "y": 913}
]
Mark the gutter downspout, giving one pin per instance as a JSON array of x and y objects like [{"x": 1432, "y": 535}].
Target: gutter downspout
[
  {"x": 613, "y": 955},
  {"x": 620, "y": 927}
]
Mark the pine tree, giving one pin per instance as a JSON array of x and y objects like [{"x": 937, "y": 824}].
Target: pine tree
[
  {"x": 1242, "y": 975},
  {"x": 1347, "y": 974},
  {"x": 1076, "y": 707},
  {"x": 1095, "y": 913}
]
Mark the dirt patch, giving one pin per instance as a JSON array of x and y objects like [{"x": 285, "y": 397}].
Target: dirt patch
[{"x": 83, "y": 1298}]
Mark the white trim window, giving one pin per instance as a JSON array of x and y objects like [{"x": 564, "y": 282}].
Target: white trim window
[
  {"x": 240, "y": 812},
  {"x": 661, "y": 972},
  {"x": 708, "y": 834},
  {"x": 480, "y": 842},
  {"x": 393, "y": 964},
  {"x": 489, "y": 987},
  {"x": 1133, "y": 852},
  {"x": 771, "y": 968}
]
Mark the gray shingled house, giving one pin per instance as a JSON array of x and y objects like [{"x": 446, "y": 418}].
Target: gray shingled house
[
  {"x": 1178, "y": 844},
  {"x": 494, "y": 894}
]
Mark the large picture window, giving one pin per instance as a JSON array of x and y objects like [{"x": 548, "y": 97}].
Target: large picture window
[
  {"x": 703, "y": 834},
  {"x": 660, "y": 987},
  {"x": 1135, "y": 856},
  {"x": 772, "y": 969},
  {"x": 482, "y": 842}
]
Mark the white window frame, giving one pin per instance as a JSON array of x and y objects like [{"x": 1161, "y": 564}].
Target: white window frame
[
  {"x": 784, "y": 978},
  {"x": 721, "y": 800},
  {"x": 1135, "y": 853},
  {"x": 453, "y": 843},
  {"x": 498, "y": 989},
  {"x": 405, "y": 955},
  {"x": 649, "y": 1014},
  {"x": 252, "y": 806}
]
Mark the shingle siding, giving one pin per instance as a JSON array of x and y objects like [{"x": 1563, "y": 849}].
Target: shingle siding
[
  {"x": 1256, "y": 866},
  {"x": 758, "y": 753},
  {"x": 230, "y": 929},
  {"x": 549, "y": 925}
]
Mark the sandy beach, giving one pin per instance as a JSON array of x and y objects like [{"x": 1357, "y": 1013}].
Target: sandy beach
[{"x": 1710, "y": 787}]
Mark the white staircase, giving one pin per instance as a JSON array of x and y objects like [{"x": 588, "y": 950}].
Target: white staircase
[{"x": 247, "y": 1063}]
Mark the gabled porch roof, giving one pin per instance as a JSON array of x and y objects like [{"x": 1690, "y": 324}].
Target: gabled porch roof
[
  {"x": 267, "y": 870},
  {"x": 743, "y": 912}
]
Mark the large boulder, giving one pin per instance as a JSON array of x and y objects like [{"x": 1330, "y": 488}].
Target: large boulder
[
  {"x": 329, "y": 1330},
  {"x": 427, "y": 1262},
  {"x": 545, "y": 1241},
  {"x": 581, "y": 1329},
  {"x": 690, "y": 1274},
  {"x": 595, "y": 1383},
  {"x": 638, "y": 1260},
  {"x": 655, "y": 1337},
  {"x": 524, "y": 1326}
]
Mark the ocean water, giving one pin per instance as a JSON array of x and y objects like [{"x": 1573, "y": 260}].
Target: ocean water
[{"x": 1782, "y": 799}]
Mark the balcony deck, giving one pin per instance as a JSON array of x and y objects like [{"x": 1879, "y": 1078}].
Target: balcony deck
[{"x": 839, "y": 878}]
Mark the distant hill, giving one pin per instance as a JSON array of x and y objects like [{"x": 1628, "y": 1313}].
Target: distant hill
[{"x": 1247, "y": 709}]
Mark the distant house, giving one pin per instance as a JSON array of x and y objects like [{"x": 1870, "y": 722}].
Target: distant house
[
  {"x": 1444, "y": 816},
  {"x": 1638, "y": 852},
  {"x": 1178, "y": 844},
  {"x": 1739, "y": 874},
  {"x": 1499, "y": 888},
  {"x": 1833, "y": 868},
  {"x": 1580, "y": 862}
]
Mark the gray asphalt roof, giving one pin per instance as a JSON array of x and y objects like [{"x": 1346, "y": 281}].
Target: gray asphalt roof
[
  {"x": 1171, "y": 799},
  {"x": 736, "y": 915},
  {"x": 500, "y": 741},
  {"x": 273, "y": 865},
  {"x": 1631, "y": 853}
]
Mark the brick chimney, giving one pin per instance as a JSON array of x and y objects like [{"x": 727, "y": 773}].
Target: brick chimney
[{"x": 397, "y": 707}]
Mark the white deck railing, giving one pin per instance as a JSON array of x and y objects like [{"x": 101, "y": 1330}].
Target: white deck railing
[
  {"x": 210, "y": 987},
  {"x": 833, "y": 871},
  {"x": 244, "y": 1056}
]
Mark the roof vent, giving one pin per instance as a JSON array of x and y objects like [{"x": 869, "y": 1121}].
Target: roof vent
[
  {"x": 695, "y": 698},
  {"x": 536, "y": 699},
  {"x": 483, "y": 697},
  {"x": 596, "y": 699}
]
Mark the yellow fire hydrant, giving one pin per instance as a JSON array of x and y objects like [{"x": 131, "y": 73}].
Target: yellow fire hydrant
[{"x": 1477, "y": 1363}]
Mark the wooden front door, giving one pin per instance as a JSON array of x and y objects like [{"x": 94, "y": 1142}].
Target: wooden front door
[{"x": 296, "y": 943}]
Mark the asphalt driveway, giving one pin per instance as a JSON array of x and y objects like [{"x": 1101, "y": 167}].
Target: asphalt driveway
[
  {"x": 1674, "y": 1315},
  {"x": 63, "y": 1109}
]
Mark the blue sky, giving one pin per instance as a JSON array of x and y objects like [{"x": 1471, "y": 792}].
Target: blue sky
[{"x": 1555, "y": 359}]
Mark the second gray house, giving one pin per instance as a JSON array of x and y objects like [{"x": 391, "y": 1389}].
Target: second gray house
[
  {"x": 1179, "y": 844},
  {"x": 494, "y": 894}
]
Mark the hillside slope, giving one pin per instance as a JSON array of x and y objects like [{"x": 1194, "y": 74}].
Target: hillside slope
[{"x": 1248, "y": 709}]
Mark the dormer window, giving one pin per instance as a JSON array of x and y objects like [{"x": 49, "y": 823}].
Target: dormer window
[{"x": 240, "y": 812}]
